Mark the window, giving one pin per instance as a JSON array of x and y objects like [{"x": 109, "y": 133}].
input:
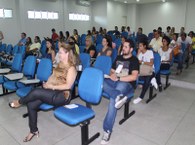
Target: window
[
  {"x": 43, "y": 15},
  {"x": 6, "y": 13},
  {"x": 78, "y": 17}
]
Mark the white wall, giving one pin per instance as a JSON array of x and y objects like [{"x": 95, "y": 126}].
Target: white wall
[
  {"x": 99, "y": 14},
  {"x": 103, "y": 13},
  {"x": 116, "y": 15}
]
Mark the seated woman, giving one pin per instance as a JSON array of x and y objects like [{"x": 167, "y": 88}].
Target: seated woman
[
  {"x": 166, "y": 57},
  {"x": 176, "y": 48},
  {"x": 35, "y": 47},
  {"x": 90, "y": 48},
  {"x": 72, "y": 41},
  {"x": 145, "y": 57},
  {"x": 107, "y": 47},
  {"x": 123, "y": 38},
  {"x": 50, "y": 50},
  {"x": 53, "y": 91}
]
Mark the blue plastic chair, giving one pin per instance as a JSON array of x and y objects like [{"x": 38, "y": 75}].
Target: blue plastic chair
[
  {"x": 99, "y": 47},
  {"x": 90, "y": 93},
  {"x": 28, "y": 71},
  {"x": 99, "y": 39},
  {"x": 81, "y": 49},
  {"x": 85, "y": 60},
  {"x": 83, "y": 37},
  {"x": 114, "y": 54},
  {"x": 44, "y": 70},
  {"x": 103, "y": 63}
]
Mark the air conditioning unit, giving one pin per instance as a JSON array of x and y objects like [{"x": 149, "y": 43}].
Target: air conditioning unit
[{"x": 86, "y": 3}]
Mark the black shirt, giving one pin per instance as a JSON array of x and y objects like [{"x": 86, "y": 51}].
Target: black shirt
[
  {"x": 92, "y": 47},
  {"x": 129, "y": 65}
]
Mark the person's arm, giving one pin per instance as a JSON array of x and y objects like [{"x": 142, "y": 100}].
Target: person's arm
[
  {"x": 53, "y": 56},
  {"x": 149, "y": 63},
  {"x": 70, "y": 79},
  {"x": 130, "y": 78},
  {"x": 109, "y": 53}
]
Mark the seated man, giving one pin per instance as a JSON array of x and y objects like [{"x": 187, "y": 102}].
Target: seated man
[
  {"x": 156, "y": 42},
  {"x": 121, "y": 82},
  {"x": 22, "y": 41}
]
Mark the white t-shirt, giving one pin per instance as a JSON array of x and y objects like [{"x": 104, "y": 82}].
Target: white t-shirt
[
  {"x": 187, "y": 41},
  {"x": 156, "y": 44},
  {"x": 35, "y": 45},
  {"x": 147, "y": 56},
  {"x": 165, "y": 55}
]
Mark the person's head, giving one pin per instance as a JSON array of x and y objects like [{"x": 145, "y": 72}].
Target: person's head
[
  {"x": 93, "y": 29},
  {"x": 128, "y": 47},
  {"x": 100, "y": 30},
  {"x": 173, "y": 30},
  {"x": 168, "y": 28},
  {"x": 75, "y": 32},
  {"x": 123, "y": 38},
  {"x": 67, "y": 34},
  {"x": 106, "y": 41},
  {"x": 88, "y": 41},
  {"x": 143, "y": 45},
  {"x": 182, "y": 29},
  {"x": 37, "y": 39},
  {"x": 89, "y": 32},
  {"x": 128, "y": 28},
  {"x": 160, "y": 29},
  {"x": 28, "y": 40},
  {"x": 72, "y": 39},
  {"x": 140, "y": 30},
  {"x": 61, "y": 34},
  {"x": 191, "y": 34},
  {"x": 156, "y": 34},
  {"x": 116, "y": 28},
  {"x": 49, "y": 43},
  {"x": 66, "y": 54},
  {"x": 122, "y": 28},
  {"x": 175, "y": 36},
  {"x": 183, "y": 36},
  {"x": 23, "y": 35},
  {"x": 166, "y": 41},
  {"x": 53, "y": 30}
]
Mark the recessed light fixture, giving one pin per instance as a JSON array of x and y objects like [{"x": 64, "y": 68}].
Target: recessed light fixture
[
  {"x": 125, "y": 2},
  {"x": 137, "y": 0},
  {"x": 163, "y": 1}
]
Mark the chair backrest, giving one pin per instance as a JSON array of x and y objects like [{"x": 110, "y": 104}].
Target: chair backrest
[
  {"x": 3, "y": 47},
  {"x": 157, "y": 62},
  {"x": 9, "y": 49},
  {"x": 90, "y": 85},
  {"x": 43, "y": 50},
  {"x": 125, "y": 34},
  {"x": 29, "y": 66},
  {"x": 114, "y": 54},
  {"x": 85, "y": 60},
  {"x": 103, "y": 63},
  {"x": 99, "y": 47},
  {"x": 99, "y": 39},
  {"x": 15, "y": 49},
  {"x": 81, "y": 49},
  {"x": 83, "y": 37},
  {"x": 44, "y": 69},
  {"x": 22, "y": 50},
  {"x": 17, "y": 63}
]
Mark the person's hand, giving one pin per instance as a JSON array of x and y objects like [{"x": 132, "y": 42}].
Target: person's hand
[{"x": 113, "y": 77}]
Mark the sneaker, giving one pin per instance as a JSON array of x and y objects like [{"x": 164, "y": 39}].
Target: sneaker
[
  {"x": 154, "y": 83},
  {"x": 120, "y": 102},
  {"x": 118, "y": 97},
  {"x": 106, "y": 137},
  {"x": 136, "y": 101}
]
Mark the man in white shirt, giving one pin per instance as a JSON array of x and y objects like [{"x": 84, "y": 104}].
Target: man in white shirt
[
  {"x": 1, "y": 37},
  {"x": 156, "y": 42},
  {"x": 188, "y": 44}
]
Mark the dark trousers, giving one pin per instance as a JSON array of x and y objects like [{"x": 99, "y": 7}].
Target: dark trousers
[
  {"x": 146, "y": 84},
  {"x": 38, "y": 96},
  {"x": 163, "y": 66}
]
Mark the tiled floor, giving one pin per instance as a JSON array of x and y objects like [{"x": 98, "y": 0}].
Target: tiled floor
[{"x": 167, "y": 120}]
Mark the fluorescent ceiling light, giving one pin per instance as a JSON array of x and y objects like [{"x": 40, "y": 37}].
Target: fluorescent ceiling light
[{"x": 125, "y": 2}]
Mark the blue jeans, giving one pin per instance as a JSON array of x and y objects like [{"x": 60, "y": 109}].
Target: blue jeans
[{"x": 113, "y": 89}]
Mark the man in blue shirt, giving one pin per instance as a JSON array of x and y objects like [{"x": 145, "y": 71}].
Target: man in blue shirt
[{"x": 22, "y": 40}]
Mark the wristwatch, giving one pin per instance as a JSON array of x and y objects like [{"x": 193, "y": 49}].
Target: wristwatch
[{"x": 142, "y": 62}]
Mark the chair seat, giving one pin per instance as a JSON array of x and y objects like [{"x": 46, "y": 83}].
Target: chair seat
[
  {"x": 74, "y": 116},
  {"x": 13, "y": 85},
  {"x": 1, "y": 80},
  {"x": 46, "y": 107},
  {"x": 165, "y": 72},
  {"x": 10, "y": 85},
  {"x": 22, "y": 92},
  {"x": 130, "y": 95}
]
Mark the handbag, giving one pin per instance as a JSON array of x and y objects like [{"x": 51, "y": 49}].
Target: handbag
[
  {"x": 176, "y": 51},
  {"x": 145, "y": 70}
]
